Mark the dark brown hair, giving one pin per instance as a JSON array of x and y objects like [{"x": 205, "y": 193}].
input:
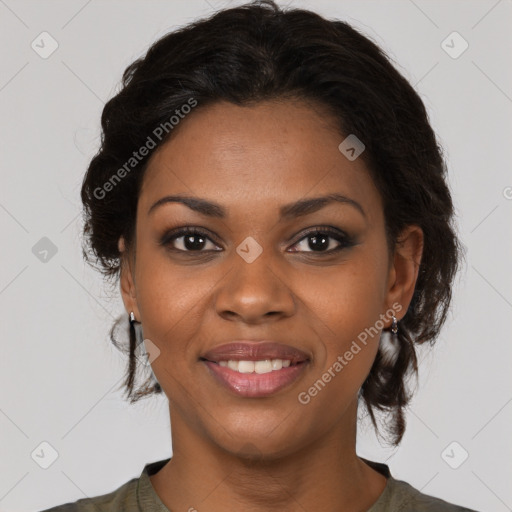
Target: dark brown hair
[{"x": 261, "y": 52}]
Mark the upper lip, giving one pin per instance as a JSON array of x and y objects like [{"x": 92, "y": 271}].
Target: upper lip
[{"x": 254, "y": 351}]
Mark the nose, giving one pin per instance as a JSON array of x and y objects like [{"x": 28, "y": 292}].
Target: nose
[{"x": 254, "y": 292}]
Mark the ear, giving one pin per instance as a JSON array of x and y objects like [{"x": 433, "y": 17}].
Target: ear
[
  {"x": 127, "y": 281},
  {"x": 404, "y": 269}
]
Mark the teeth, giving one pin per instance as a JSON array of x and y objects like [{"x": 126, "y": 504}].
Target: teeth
[{"x": 264, "y": 366}]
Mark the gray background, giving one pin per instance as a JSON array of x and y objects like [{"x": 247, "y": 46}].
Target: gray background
[{"x": 59, "y": 373}]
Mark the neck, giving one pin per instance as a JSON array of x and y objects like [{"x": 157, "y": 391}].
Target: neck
[{"x": 326, "y": 475}]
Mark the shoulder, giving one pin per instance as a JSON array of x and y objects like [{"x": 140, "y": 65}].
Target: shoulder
[
  {"x": 123, "y": 498},
  {"x": 403, "y": 497}
]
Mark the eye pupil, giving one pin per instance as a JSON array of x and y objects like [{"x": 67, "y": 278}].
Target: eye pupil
[
  {"x": 191, "y": 246},
  {"x": 320, "y": 242}
]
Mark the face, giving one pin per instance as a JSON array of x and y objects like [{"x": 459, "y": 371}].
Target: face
[{"x": 253, "y": 268}]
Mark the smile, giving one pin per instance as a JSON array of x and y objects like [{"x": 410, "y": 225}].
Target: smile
[{"x": 255, "y": 378}]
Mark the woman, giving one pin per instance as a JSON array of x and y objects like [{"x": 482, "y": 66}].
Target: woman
[{"x": 272, "y": 198}]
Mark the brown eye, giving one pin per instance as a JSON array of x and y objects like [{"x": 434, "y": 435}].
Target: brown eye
[
  {"x": 189, "y": 240},
  {"x": 323, "y": 240}
]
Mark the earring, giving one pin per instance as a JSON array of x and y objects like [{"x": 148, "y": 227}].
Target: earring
[
  {"x": 137, "y": 326},
  {"x": 141, "y": 353},
  {"x": 140, "y": 348},
  {"x": 394, "y": 325}
]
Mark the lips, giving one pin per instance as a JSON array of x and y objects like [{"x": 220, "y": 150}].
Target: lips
[{"x": 255, "y": 351}]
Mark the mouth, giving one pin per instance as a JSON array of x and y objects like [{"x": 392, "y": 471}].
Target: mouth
[{"x": 255, "y": 369}]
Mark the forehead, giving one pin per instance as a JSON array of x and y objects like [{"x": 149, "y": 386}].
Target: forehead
[{"x": 257, "y": 156}]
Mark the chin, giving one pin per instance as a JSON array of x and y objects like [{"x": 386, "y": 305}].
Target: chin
[{"x": 255, "y": 447}]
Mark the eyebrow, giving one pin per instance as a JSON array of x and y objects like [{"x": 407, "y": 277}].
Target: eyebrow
[{"x": 292, "y": 210}]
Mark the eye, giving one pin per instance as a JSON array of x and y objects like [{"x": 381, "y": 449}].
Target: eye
[
  {"x": 189, "y": 239},
  {"x": 319, "y": 240},
  {"x": 323, "y": 240}
]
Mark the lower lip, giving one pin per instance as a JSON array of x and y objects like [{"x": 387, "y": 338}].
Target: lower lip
[{"x": 256, "y": 384}]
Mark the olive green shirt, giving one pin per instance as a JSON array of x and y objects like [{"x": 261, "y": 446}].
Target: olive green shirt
[{"x": 138, "y": 495}]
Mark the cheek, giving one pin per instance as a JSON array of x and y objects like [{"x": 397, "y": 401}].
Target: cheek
[
  {"x": 343, "y": 310},
  {"x": 346, "y": 300},
  {"x": 171, "y": 301},
  {"x": 170, "y": 308}
]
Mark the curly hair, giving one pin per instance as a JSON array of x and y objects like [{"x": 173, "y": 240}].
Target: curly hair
[{"x": 259, "y": 51}]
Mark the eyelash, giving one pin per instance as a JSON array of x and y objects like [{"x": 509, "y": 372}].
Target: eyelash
[{"x": 344, "y": 240}]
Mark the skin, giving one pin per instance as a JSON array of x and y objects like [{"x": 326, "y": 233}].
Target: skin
[{"x": 272, "y": 453}]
